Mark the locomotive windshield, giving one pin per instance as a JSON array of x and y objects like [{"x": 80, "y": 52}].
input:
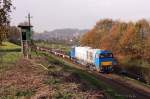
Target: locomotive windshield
[{"x": 107, "y": 55}]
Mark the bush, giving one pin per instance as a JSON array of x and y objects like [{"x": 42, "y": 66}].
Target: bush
[
  {"x": 26, "y": 93},
  {"x": 137, "y": 67}
]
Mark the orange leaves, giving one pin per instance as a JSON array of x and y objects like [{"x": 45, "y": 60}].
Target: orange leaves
[
  {"x": 120, "y": 37},
  {"x": 128, "y": 36}
]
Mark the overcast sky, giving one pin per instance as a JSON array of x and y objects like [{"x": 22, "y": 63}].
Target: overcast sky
[{"x": 82, "y": 14}]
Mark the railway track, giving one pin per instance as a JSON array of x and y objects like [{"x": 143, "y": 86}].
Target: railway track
[{"x": 122, "y": 86}]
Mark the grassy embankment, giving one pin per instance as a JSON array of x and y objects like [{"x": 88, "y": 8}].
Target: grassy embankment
[
  {"x": 93, "y": 82},
  {"x": 9, "y": 54},
  {"x": 136, "y": 67},
  {"x": 65, "y": 80}
]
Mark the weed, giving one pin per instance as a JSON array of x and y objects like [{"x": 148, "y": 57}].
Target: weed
[
  {"x": 52, "y": 81},
  {"x": 29, "y": 93}
]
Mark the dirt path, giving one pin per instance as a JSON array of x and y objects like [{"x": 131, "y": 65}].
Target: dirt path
[
  {"x": 30, "y": 80},
  {"x": 24, "y": 79}
]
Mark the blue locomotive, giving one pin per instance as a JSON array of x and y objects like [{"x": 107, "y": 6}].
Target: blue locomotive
[{"x": 101, "y": 60}]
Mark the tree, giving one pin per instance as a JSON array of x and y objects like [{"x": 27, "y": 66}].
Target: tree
[
  {"x": 93, "y": 37},
  {"x": 13, "y": 34},
  {"x": 129, "y": 42},
  {"x": 5, "y": 10},
  {"x": 147, "y": 48}
]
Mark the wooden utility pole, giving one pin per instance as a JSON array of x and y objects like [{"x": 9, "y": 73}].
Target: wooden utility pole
[
  {"x": 29, "y": 20},
  {"x": 29, "y": 42}
]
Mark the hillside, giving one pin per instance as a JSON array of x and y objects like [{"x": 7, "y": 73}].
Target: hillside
[
  {"x": 60, "y": 34},
  {"x": 9, "y": 46}
]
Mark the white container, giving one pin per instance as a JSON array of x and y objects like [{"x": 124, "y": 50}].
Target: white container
[
  {"x": 91, "y": 55},
  {"x": 81, "y": 53}
]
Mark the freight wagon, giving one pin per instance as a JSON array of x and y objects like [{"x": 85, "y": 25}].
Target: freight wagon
[{"x": 97, "y": 59}]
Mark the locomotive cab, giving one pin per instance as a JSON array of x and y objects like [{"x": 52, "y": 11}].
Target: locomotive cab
[{"x": 104, "y": 61}]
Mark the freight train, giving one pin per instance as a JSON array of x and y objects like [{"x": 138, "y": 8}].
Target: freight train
[{"x": 96, "y": 59}]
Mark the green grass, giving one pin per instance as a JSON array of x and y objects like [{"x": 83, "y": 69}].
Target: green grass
[
  {"x": 94, "y": 81},
  {"x": 9, "y": 54},
  {"x": 9, "y": 46},
  {"x": 10, "y": 57},
  {"x": 84, "y": 75},
  {"x": 136, "y": 81},
  {"x": 13, "y": 93},
  {"x": 27, "y": 93},
  {"x": 137, "y": 66},
  {"x": 8, "y": 60}
]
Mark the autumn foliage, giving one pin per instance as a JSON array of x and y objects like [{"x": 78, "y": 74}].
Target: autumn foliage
[
  {"x": 121, "y": 37},
  {"x": 129, "y": 41}
]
